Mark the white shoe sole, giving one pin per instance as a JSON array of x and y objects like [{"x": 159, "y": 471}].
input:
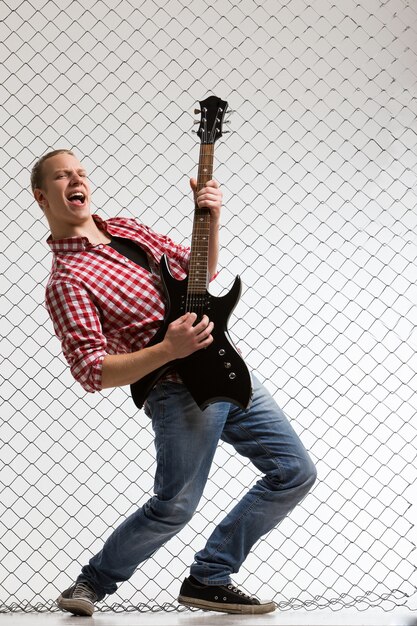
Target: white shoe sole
[
  {"x": 76, "y": 606},
  {"x": 240, "y": 609}
]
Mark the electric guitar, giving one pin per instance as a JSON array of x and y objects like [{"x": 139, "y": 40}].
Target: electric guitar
[{"x": 217, "y": 373}]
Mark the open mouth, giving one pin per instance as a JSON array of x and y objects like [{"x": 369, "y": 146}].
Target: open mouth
[{"x": 77, "y": 198}]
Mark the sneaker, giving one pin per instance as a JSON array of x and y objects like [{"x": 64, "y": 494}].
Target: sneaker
[
  {"x": 78, "y": 599},
  {"x": 223, "y": 598}
]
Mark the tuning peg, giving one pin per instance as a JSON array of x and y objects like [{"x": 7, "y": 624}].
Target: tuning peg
[{"x": 197, "y": 111}]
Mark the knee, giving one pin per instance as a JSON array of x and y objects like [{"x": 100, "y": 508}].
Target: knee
[
  {"x": 176, "y": 512},
  {"x": 299, "y": 475},
  {"x": 304, "y": 475},
  {"x": 181, "y": 512},
  {"x": 309, "y": 475}
]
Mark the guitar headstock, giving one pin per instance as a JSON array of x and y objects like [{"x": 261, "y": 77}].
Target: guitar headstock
[{"x": 212, "y": 111}]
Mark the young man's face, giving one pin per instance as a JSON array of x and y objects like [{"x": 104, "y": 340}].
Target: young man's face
[{"x": 65, "y": 193}]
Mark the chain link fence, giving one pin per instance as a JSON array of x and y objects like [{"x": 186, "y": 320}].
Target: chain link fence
[{"x": 320, "y": 220}]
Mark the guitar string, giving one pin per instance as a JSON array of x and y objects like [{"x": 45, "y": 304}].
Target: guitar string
[
  {"x": 195, "y": 298},
  {"x": 201, "y": 234},
  {"x": 197, "y": 238},
  {"x": 198, "y": 229}
]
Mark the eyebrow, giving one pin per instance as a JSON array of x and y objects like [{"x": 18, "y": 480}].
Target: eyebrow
[{"x": 68, "y": 170}]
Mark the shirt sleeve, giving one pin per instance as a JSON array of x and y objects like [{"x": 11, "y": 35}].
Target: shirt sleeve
[
  {"x": 176, "y": 251},
  {"x": 76, "y": 322},
  {"x": 165, "y": 245}
]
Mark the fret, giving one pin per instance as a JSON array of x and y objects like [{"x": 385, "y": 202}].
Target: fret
[{"x": 212, "y": 113}]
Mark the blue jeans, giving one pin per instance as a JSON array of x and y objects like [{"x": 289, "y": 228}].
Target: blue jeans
[{"x": 186, "y": 440}]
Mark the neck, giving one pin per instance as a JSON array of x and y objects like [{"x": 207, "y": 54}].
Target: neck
[
  {"x": 88, "y": 229},
  {"x": 198, "y": 276}
]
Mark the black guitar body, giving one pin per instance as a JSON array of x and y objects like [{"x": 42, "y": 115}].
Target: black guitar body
[{"x": 213, "y": 374}]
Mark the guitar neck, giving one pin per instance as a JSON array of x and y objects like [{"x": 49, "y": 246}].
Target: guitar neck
[
  {"x": 198, "y": 276},
  {"x": 205, "y": 164}
]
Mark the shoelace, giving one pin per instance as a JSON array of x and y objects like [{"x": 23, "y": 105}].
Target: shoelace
[
  {"x": 84, "y": 591},
  {"x": 236, "y": 590}
]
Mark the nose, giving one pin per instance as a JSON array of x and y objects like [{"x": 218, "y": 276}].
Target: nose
[{"x": 75, "y": 177}]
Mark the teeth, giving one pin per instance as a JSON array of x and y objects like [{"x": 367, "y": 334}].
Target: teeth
[{"x": 77, "y": 196}]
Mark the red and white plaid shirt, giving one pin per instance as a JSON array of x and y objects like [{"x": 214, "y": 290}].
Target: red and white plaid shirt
[{"x": 102, "y": 303}]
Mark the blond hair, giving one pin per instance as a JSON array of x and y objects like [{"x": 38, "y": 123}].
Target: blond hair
[{"x": 36, "y": 175}]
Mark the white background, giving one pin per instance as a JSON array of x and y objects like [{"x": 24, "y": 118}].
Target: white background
[{"x": 320, "y": 218}]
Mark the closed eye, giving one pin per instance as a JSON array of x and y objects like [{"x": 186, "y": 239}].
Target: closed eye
[{"x": 64, "y": 174}]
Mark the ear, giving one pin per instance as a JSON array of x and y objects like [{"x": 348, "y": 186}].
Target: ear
[{"x": 39, "y": 197}]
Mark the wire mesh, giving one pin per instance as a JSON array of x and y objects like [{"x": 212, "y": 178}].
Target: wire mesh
[{"x": 320, "y": 220}]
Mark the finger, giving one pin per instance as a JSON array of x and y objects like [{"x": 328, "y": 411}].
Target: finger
[
  {"x": 207, "y": 201},
  {"x": 212, "y": 183},
  {"x": 183, "y": 319},
  {"x": 209, "y": 195},
  {"x": 190, "y": 319},
  {"x": 206, "y": 341},
  {"x": 212, "y": 192},
  {"x": 205, "y": 332},
  {"x": 202, "y": 324}
]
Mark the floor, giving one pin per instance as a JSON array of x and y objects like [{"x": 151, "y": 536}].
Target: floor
[{"x": 371, "y": 617}]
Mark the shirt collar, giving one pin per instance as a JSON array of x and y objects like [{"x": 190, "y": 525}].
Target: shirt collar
[{"x": 76, "y": 244}]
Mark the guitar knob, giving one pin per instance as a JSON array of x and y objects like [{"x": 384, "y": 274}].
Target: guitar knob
[
  {"x": 222, "y": 352},
  {"x": 227, "y": 365},
  {"x": 232, "y": 375}
]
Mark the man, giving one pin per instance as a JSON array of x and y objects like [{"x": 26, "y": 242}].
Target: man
[{"x": 105, "y": 300}]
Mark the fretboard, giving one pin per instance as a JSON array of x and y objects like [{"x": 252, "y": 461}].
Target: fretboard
[{"x": 198, "y": 277}]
